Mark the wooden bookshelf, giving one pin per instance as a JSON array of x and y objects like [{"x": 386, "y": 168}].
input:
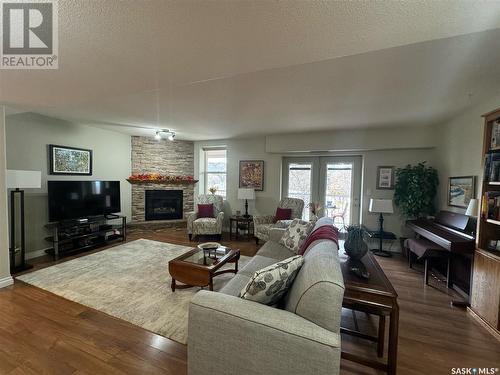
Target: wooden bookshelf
[
  {"x": 485, "y": 296},
  {"x": 491, "y": 221}
]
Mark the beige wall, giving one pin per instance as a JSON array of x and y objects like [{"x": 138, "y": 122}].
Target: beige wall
[
  {"x": 460, "y": 148},
  {"x": 5, "y": 278},
  {"x": 28, "y": 135},
  {"x": 245, "y": 149},
  {"x": 398, "y": 158},
  {"x": 266, "y": 201},
  {"x": 353, "y": 140}
]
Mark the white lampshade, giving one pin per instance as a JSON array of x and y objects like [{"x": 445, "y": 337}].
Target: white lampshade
[
  {"x": 472, "y": 208},
  {"x": 383, "y": 206},
  {"x": 24, "y": 179},
  {"x": 246, "y": 194}
]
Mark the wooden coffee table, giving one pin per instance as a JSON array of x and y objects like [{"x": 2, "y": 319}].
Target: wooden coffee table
[
  {"x": 376, "y": 296},
  {"x": 198, "y": 267}
]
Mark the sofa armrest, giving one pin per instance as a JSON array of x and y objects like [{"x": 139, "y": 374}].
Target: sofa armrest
[
  {"x": 275, "y": 234},
  {"x": 252, "y": 338},
  {"x": 264, "y": 219}
]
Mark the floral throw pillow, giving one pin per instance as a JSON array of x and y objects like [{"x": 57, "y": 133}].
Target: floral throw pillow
[
  {"x": 296, "y": 234},
  {"x": 269, "y": 285}
]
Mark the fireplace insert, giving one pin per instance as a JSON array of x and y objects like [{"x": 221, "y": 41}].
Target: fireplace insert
[{"x": 164, "y": 204}]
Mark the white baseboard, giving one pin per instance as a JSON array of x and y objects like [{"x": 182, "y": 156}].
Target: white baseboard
[{"x": 6, "y": 281}]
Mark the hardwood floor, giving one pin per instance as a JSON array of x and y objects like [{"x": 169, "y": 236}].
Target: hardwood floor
[{"x": 41, "y": 333}]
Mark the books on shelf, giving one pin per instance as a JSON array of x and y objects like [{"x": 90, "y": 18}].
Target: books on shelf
[
  {"x": 491, "y": 207},
  {"x": 492, "y": 167},
  {"x": 495, "y": 136}
]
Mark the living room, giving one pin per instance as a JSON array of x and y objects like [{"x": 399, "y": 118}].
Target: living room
[{"x": 147, "y": 202}]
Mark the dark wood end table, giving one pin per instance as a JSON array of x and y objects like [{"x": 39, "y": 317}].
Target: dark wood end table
[
  {"x": 240, "y": 220},
  {"x": 376, "y": 296},
  {"x": 198, "y": 267}
]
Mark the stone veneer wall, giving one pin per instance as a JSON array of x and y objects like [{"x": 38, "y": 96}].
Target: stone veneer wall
[{"x": 164, "y": 157}]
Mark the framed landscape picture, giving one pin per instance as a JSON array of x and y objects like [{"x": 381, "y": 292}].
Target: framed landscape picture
[
  {"x": 385, "y": 178},
  {"x": 252, "y": 174},
  {"x": 461, "y": 190},
  {"x": 70, "y": 161}
]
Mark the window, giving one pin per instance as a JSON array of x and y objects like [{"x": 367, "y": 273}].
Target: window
[
  {"x": 299, "y": 184},
  {"x": 216, "y": 170}
]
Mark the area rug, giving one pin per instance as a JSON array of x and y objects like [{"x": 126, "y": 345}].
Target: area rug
[{"x": 130, "y": 282}]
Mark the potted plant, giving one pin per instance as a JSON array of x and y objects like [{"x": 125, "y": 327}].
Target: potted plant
[{"x": 415, "y": 191}]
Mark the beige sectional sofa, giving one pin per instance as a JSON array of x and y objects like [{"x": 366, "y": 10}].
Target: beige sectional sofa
[{"x": 230, "y": 335}]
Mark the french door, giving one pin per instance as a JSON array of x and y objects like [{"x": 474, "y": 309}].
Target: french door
[{"x": 333, "y": 181}]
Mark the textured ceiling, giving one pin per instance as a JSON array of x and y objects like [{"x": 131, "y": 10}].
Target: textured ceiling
[{"x": 215, "y": 69}]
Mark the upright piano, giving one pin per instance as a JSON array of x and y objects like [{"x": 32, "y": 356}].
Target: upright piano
[{"x": 456, "y": 233}]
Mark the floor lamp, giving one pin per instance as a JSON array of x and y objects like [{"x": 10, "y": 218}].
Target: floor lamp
[
  {"x": 17, "y": 180},
  {"x": 381, "y": 206}
]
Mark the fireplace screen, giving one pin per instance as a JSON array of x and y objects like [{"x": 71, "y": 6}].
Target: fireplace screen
[{"x": 164, "y": 204}]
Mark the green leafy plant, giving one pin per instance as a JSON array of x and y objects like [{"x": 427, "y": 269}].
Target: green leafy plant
[{"x": 415, "y": 190}]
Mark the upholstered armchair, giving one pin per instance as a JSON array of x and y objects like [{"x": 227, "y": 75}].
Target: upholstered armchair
[
  {"x": 263, "y": 224},
  {"x": 206, "y": 225}
]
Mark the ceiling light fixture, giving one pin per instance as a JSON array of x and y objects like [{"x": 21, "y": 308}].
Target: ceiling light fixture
[{"x": 170, "y": 134}]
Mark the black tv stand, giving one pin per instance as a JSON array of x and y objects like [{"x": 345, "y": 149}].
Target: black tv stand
[{"x": 68, "y": 237}]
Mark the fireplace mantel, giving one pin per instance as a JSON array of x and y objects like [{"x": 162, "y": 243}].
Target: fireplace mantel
[{"x": 180, "y": 182}]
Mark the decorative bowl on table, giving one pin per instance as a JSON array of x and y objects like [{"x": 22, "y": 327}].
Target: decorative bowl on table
[{"x": 209, "y": 249}]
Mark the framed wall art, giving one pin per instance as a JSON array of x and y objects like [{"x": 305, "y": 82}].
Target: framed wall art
[
  {"x": 252, "y": 174},
  {"x": 385, "y": 178},
  {"x": 461, "y": 190},
  {"x": 66, "y": 160}
]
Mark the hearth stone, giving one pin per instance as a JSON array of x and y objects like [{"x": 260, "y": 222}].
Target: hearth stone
[
  {"x": 139, "y": 199},
  {"x": 164, "y": 157}
]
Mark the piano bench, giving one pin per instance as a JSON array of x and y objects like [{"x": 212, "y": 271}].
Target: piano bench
[{"x": 427, "y": 250}]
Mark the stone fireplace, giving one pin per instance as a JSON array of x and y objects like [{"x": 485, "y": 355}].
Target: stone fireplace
[
  {"x": 166, "y": 158},
  {"x": 164, "y": 205}
]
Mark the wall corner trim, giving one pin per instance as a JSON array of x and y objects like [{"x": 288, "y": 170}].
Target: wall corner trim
[{"x": 6, "y": 281}]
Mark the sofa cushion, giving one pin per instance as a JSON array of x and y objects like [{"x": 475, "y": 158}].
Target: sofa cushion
[
  {"x": 257, "y": 263},
  {"x": 318, "y": 289},
  {"x": 275, "y": 250},
  {"x": 205, "y": 210},
  {"x": 234, "y": 286},
  {"x": 296, "y": 234},
  {"x": 269, "y": 285}
]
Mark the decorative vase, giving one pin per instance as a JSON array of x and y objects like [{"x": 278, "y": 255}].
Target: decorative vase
[{"x": 355, "y": 245}]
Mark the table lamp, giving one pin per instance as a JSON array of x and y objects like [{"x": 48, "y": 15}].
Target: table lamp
[
  {"x": 18, "y": 180},
  {"x": 246, "y": 194},
  {"x": 381, "y": 206}
]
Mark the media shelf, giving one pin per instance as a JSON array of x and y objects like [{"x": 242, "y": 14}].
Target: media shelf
[{"x": 73, "y": 236}]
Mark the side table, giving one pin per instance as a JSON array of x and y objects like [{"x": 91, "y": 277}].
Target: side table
[{"x": 240, "y": 222}]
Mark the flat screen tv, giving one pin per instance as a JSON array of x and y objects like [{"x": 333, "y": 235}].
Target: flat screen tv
[{"x": 79, "y": 199}]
